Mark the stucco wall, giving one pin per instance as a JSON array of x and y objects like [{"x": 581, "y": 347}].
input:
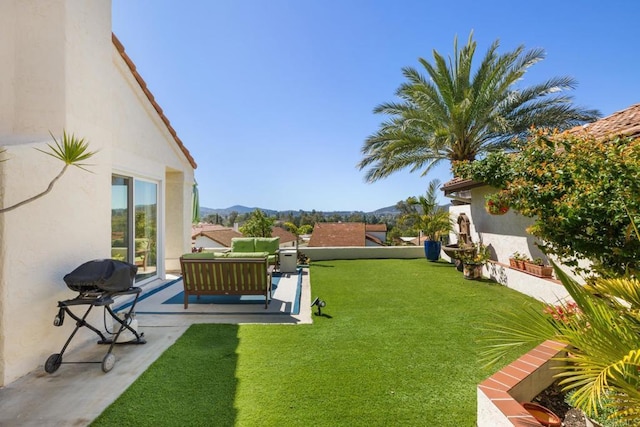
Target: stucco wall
[
  {"x": 68, "y": 75},
  {"x": 360, "y": 252},
  {"x": 207, "y": 243},
  {"x": 505, "y": 235}
]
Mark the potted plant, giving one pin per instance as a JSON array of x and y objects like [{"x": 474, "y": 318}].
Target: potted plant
[
  {"x": 472, "y": 263},
  {"x": 517, "y": 261},
  {"x": 496, "y": 204},
  {"x": 538, "y": 268},
  {"x": 431, "y": 219}
]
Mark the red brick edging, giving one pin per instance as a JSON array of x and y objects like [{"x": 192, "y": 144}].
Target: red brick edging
[{"x": 500, "y": 396}]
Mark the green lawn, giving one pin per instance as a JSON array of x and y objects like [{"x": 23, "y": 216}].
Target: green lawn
[{"x": 398, "y": 348}]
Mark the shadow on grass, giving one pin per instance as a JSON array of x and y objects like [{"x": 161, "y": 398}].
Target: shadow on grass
[
  {"x": 319, "y": 264},
  {"x": 197, "y": 373}
]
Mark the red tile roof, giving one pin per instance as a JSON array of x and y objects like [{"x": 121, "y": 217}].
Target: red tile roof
[
  {"x": 376, "y": 227},
  {"x": 197, "y": 229},
  {"x": 284, "y": 235},
  {"x": 624, "y": 122},
  {"x": 149, "y": 95},
  {"x": 221, "y": 236},
  {"x": 338, "y": 234}
]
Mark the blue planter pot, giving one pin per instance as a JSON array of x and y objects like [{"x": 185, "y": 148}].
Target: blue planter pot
[{"x": 432, "y": 250}]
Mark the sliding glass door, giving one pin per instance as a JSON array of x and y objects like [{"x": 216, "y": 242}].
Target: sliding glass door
[{"x": 134, "y": 223}]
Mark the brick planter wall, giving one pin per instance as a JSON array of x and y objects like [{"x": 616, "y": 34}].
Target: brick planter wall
[{"x": 500, "y": 395}]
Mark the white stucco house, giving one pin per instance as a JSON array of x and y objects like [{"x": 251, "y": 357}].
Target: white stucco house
[
  {"x": 63, "y": 69},
  {"x": 506, "y": 234}
]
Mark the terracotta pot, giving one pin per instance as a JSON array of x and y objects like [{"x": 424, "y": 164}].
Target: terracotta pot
[
  {"x": 538, "y": 270},
  {"x": 518, "y": 264},
  {"x": 543, "y": 415}
]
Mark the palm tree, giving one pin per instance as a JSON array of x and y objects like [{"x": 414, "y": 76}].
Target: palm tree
[
  {"x": 428, "y": 217},
  {"x": 456, "y": 115}
]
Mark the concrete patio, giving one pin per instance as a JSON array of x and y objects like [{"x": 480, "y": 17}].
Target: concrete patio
[{"x": 77, "y": 393}]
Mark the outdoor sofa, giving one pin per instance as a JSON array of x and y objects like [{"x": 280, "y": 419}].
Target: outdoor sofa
[
  {"x": 211, "y": 273},
  {"x": 252, "y": 245}
]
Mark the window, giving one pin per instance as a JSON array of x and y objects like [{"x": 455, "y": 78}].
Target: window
[{"x": 134, "y": 223}]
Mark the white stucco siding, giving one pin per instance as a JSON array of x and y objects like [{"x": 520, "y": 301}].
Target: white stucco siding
[
  {"x": 68, "y": 75},
  {"x": 42, "y": 241},
  {"x": 207, "y": 243},
  {"x": 138, "y": 129},
  {"x": 7, "y": 55},
  {"x": 505, "y": 234},
  {"x": 143, "y": 147},
  {"x": 38, "y": 65}
]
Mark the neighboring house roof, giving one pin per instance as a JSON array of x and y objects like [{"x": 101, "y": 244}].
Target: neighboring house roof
[
  {"x": 376, "y": 227},
  {"x": 149, "y": 95},
  {"x": 338, "y": 234},
  {"x": 221, "y": 236},
  {"x": 373, "y": 239},
  {"x": 624, "y": 122},
  {"x": 284, "y": 235},
  {"x": 197, "y": 229}
]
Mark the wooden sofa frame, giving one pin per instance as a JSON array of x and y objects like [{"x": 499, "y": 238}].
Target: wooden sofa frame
[{"x": 226, "y": 276}]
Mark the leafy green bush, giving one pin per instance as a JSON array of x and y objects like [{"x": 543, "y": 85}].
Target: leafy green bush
[{"x": 578, "y": 189}]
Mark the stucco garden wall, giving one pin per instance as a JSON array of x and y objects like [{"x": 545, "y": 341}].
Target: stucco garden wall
[
  {"x": 362, "y": 252},
  {"x": 505, "y": 235},
  {"x": 62, "y": 71}
]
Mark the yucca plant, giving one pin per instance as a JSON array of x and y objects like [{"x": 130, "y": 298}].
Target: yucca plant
[{"x": 71, "y": 151}]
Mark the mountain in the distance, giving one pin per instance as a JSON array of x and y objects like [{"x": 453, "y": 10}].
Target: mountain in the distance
[
  {"x": 237, "y": 208},
  {"x": 381, "y": 212},
  {"x": 389, "y": 210}
]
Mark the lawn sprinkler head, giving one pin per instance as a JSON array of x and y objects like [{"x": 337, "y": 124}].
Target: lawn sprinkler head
[{"x": 320, "y": 303}]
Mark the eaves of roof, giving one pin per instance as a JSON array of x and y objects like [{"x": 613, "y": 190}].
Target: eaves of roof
[
  {"x": 460, "y": 184},
  {"x": 149, "y": 95}
]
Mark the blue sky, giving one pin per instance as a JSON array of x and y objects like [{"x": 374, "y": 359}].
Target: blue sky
[{"x": 274, "y": 98}]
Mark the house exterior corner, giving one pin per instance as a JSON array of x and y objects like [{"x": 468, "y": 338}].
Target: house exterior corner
[{"x": 71, "y": 74}]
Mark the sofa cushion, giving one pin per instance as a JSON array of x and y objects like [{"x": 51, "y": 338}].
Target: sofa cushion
[
  {"x": 267, "y": 244},
  {"x": 243, "y": 244},
  {"x": 247, "y": 255},
  {"x": 204, "y": 255}
]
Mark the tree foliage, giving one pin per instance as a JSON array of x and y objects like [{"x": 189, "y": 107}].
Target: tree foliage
[
  {"x": 258, "y": 225},
  {"x": 581, "y": 191},
  {"x": 458, "y": 111}
]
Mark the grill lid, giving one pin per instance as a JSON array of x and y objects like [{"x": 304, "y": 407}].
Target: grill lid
[{"x": 102, "y": 274}]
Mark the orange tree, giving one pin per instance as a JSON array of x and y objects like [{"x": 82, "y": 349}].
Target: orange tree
[{"x": 579, "y": 189}]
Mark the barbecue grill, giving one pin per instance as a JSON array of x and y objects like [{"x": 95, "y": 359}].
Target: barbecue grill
[{"x": 97, "y": 283}]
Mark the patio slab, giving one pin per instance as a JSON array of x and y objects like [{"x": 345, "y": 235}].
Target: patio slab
[{"x": 77, "y": 393}]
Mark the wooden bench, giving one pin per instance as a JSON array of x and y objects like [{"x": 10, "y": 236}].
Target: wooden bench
[{"x": 226, "y": 276}]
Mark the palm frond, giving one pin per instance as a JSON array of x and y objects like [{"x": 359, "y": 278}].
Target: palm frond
[
  {"x": 71, "y": 150},
  {"x": 458, "y": 113}
]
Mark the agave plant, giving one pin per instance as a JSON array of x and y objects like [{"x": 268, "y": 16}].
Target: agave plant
[{"x": 71, "y": 151}]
